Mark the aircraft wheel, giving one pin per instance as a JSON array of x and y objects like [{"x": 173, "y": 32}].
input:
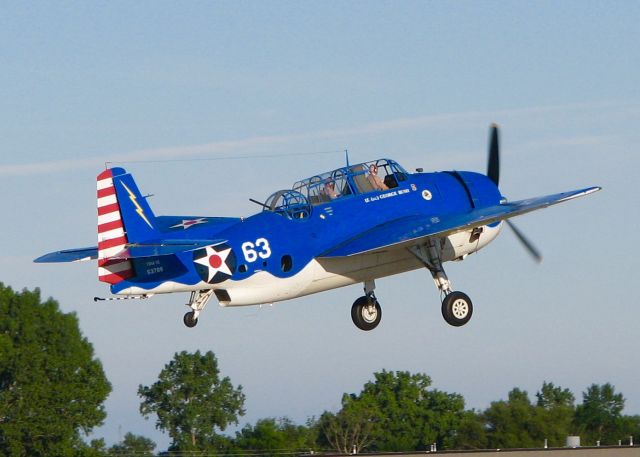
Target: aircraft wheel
[
  {"x": 366, "y": 315},
  {"x": 457, "y": 309},
  {"x": 189, "y": 320}
]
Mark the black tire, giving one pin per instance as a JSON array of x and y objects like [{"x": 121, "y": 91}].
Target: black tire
[
  {"x": 365, "y": 317},
  {"x": 189, "y": 320},
  {"x": 457, "y": 309}
]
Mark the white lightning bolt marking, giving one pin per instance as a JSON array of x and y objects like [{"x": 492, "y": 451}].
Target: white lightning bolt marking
[{"x": 134, "y": 200}]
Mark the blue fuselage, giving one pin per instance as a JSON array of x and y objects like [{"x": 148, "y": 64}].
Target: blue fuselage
[{"x": 283, "y": 243}]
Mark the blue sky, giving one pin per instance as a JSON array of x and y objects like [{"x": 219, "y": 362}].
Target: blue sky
[{"x": 84, "y": 83}]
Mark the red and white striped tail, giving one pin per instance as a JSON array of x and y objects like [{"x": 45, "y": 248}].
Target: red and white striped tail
[{"x": 111, "y": 235}]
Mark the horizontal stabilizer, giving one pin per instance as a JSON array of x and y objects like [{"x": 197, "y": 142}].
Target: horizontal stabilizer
[
  {"x": 409, "y": 230},
  {"x": 130, "y": 251},
  {"x": 69, "y": 255},
  {"x": 162, "y": 247}
]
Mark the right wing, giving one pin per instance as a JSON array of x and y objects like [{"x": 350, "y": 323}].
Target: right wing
[{"x": 409, "y": 230}]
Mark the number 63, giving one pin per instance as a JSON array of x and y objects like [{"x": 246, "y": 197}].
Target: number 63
[{"x": 260, "y": 249}]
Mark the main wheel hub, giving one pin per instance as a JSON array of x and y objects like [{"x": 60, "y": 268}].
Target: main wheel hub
[{"x": 460, "y": 308}]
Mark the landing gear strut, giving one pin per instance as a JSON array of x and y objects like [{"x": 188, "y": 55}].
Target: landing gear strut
[
  {"x": 457, "y": 308},
  {"x": 366, "y": 312},
  {"x": 197, "y": 302}
]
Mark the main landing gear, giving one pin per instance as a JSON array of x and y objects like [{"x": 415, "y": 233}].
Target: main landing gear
[
  {"x": 366, "y": 312},
  {"x": 197, "y": 302},
  {"x": 457, "y": 308}
]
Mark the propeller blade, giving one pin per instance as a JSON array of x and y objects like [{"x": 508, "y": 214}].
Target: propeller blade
[
  {"x": 525, "y": 242},
  {"x": 493, "y": 167},
  {"x": 493, "y": 173}
]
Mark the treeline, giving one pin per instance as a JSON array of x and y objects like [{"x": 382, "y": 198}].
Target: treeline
[{"x": 52, "y": 393}]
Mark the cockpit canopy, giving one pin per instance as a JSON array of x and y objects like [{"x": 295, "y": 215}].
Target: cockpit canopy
[
  {"x": 348, "y": 181},
  {"x": 289, "y": 203},
  {"x": 296, "y": 203}
]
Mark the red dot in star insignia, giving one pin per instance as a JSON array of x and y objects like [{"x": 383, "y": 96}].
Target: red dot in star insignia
[{"x": 215, "y": 261}]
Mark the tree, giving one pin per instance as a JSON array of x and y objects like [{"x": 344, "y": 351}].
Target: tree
[
  {"x": 550, "y": 397},
  {"x": 513, "y": 423},
  {"x": 96, "y": 448},
  {"x": 395, "y": 412},
  {"x": 471, "y": 432},
  {"x": 629, "y": 427},
  {"x": 555, "y": 408},
  {"x": 191, "y": 400},
  {"x": 353, "y": 427},
  {"x": 52, "y": 389},
  {"x": 274, "y": 437},
  {"x": 599, "y": 417},
  {"x": 133, "y": 445}
]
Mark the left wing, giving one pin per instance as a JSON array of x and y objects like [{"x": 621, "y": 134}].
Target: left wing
[{"x": 408, "y": 230}]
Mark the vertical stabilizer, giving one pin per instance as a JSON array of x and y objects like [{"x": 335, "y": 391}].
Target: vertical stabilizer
[
  {"x": 137, "y": 216},
  {"x": 112, "y": 237}
]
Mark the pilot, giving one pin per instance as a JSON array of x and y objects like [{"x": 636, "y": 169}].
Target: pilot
[
  {"x": 330, "y": 190},
  {"x": 375, "y": 180}
]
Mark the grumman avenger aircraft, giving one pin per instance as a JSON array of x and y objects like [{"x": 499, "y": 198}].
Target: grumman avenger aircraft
[{"x": 354, "y": 224}]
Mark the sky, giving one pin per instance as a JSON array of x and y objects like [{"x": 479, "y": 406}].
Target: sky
[{"x": 209, "y": 104}]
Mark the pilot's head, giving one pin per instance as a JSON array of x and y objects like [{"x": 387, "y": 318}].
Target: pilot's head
[{"x": 373, "y": 169}]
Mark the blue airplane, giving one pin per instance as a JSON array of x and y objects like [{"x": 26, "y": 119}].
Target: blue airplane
[{"x": 354, "y": 224}]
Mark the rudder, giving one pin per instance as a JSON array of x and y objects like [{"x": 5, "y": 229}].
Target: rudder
[{"x": 124, "y": 216}]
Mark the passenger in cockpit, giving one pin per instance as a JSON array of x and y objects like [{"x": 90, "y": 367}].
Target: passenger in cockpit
[
  {"x": 375, "y": 180},
  {"x": 330, "y": 190}
]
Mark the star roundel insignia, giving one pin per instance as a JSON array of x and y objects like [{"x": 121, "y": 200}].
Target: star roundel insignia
[
  {"x": 214, "y": 264},
  {"x": 186, "y": 223}
]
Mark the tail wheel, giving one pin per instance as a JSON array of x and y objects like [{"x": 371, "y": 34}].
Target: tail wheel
[
  {"x": 366, "y": 313},
  {"x": 190, "y": 320},
  {"x": 457, "y": 309}
]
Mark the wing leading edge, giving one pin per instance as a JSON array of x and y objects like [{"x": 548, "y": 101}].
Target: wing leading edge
[{"x": 408, "y": 230}]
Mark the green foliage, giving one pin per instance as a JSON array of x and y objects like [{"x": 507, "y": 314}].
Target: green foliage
[
  {"x": 133, "y": 445},
  {"x": 400, "y": 412},
  {"x": 551, "y": 397},
  {"x": 512, "y": 423},
  {"x": 52, "y": 388},
  {"x": 96, "y": 448},
  {"x": 52, "y": 391},
  {"x": 352, "y": 427},
  {"x": 599, "y": 417},
  {"x": 191, "y": 401},
  {"x": 629, "y": 427},
  {"x": 471, "y": 432},
  {"x": 272, "y": 437},
  {"x": 395, "y": 412},
  {"x": 517, "y": 423},
  {"x": 555, "y": 408}
]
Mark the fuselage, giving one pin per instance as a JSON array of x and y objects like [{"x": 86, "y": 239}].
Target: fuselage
[{"x": 279, "y": 253}]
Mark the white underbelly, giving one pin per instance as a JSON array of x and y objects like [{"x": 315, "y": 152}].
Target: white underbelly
[{"x": 329, "y": 273}]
